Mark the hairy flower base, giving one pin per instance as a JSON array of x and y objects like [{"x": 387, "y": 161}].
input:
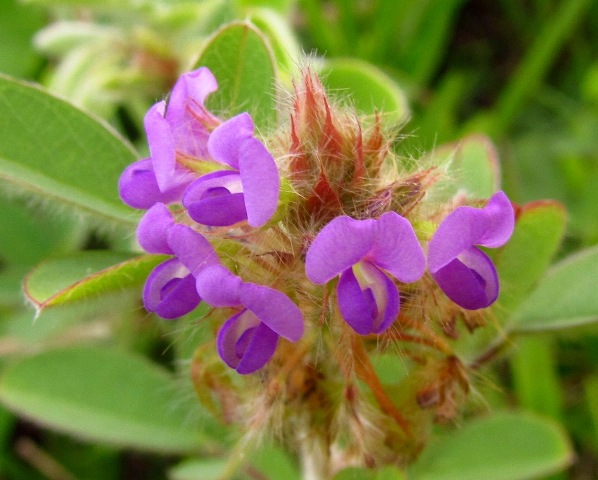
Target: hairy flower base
[{"x": 337, "y": 258}]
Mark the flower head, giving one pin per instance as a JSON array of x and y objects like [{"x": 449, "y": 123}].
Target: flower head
[
  {"x": 246, "y": 188},
  {"x": 362, "y": 252},
  {"x": 463, "y": 271},
  {"x": 248, "y": 339},
  {"x": 179, "y": 128}
]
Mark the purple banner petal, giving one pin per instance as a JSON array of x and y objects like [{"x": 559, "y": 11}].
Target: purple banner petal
[
  {"x": 226, "y": 141},
  {"x": 338, "y": 246},
  {"x": 461, "y": 229},
  {"x": 397, "y": 249},
  {"x": 161, "y": 145},
  {"x": 274, "y": 309},
  {"x": 501, "y": 221},
  {"x": 261, "y": 182},
  {"x": 219, "y": 287},
  {"x": 192, "y": 248}
]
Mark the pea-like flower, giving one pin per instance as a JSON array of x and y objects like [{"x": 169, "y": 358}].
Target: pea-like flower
[
  {"x": 247, "y": 187},
  {"x": 363, "y": 253},
  {"x": 248, "y": 339},
  {"x": 463, "y": 271},
  {"x": 180, "y": 127},
  {"x": 170, "y": 289}
]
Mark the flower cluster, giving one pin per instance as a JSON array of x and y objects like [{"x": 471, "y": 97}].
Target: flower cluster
[
  {"x": 204, "y": 173},
  {"x": 211, "y": 190}
]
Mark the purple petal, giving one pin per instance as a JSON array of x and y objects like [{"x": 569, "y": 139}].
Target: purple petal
[
  {"x": 274, "y": 309},
  {"x": 137, "y": 185},
  {"x": 226, "y": 141},
  {"x": 501, "y": 220},
  {"x": 261, "y": 182},
  {"x": 191, "y": 248},
  {"x": 189, "y": 94},
  {"x": 459, "y": 231},
  {"x": 370, "y": 306},
  {"x": 153, "y": 228},
  {"x": 170, "y": 290},
  {"x": 189, "y": 120},
  {"x": 219, "y": 287},
  {"x": 339, "y": 245},
  {"x": 161, "y": 145},
  {"x": 216, "y": 199},
  {"x": 219, "y": 211},
  {"x": 470, "y": 280},
  {"x": 397, "y": 249},
  {"x": 245, "y": 344}
]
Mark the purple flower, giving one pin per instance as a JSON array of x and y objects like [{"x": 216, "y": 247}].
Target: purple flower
[
  {"x": 246, "y": 188},
  {"x": 463, "y": 271},
  {"x": 170, "y": 289},
  {"x": 248, "y": 339},
  {"x": 362, "y": 252},
  {"x": 138, "y": 186},
  {"x": 179, "y": 128}
]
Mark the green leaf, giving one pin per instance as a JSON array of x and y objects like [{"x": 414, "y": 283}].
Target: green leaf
[
  {"x": 591, "y": 391},
  {"x": 282, "y": 39},
  {"x": 274, "y": 462},
  {"x": 52, "y": 150},
  {"x": 18, "y": 24},
  {"x": 11, "y": 278},
  {"x": 367, "y": 87},
  {"x": 566, "y": 297},
  {"x": 28, "y": 236},
  {"x": 503, "y": 446},
  {"x": 535, "y": 378},
  {"x": 85, "y": 276},
  {"x": 242, "y": 62},
  {"x": 355, "y": 473},
  {"x": 206, "y": 469},
  {"x": 102, "y": 4},
  {"x": 267, "y": 462},
  {"x": 538, "y": 232},
  {"x": 102, "y": 395},
  {"x": 471, "y": 167}
]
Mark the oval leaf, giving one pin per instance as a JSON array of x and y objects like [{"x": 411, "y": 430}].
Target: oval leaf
[
  {"x": 471, "y": 167},
  {"x": 504, "y": 446},
  {"x": 591, "y": 391},
  {"x": 355, "y": 473},
  {"x": 86, "y": 275},
  {"x": 243, "y": 64},
  {"x": 565, "y": 298},
  {"x": 102, "y": 395},
  {"x": 206, "y": 469},
  {"x": 53, "y": 150},
  {"x": 28, "y": 236},
  {"x": 370, "y": 89},
  {"x": 18, "y": 24},
  {"x": 538, "y": 233}
]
